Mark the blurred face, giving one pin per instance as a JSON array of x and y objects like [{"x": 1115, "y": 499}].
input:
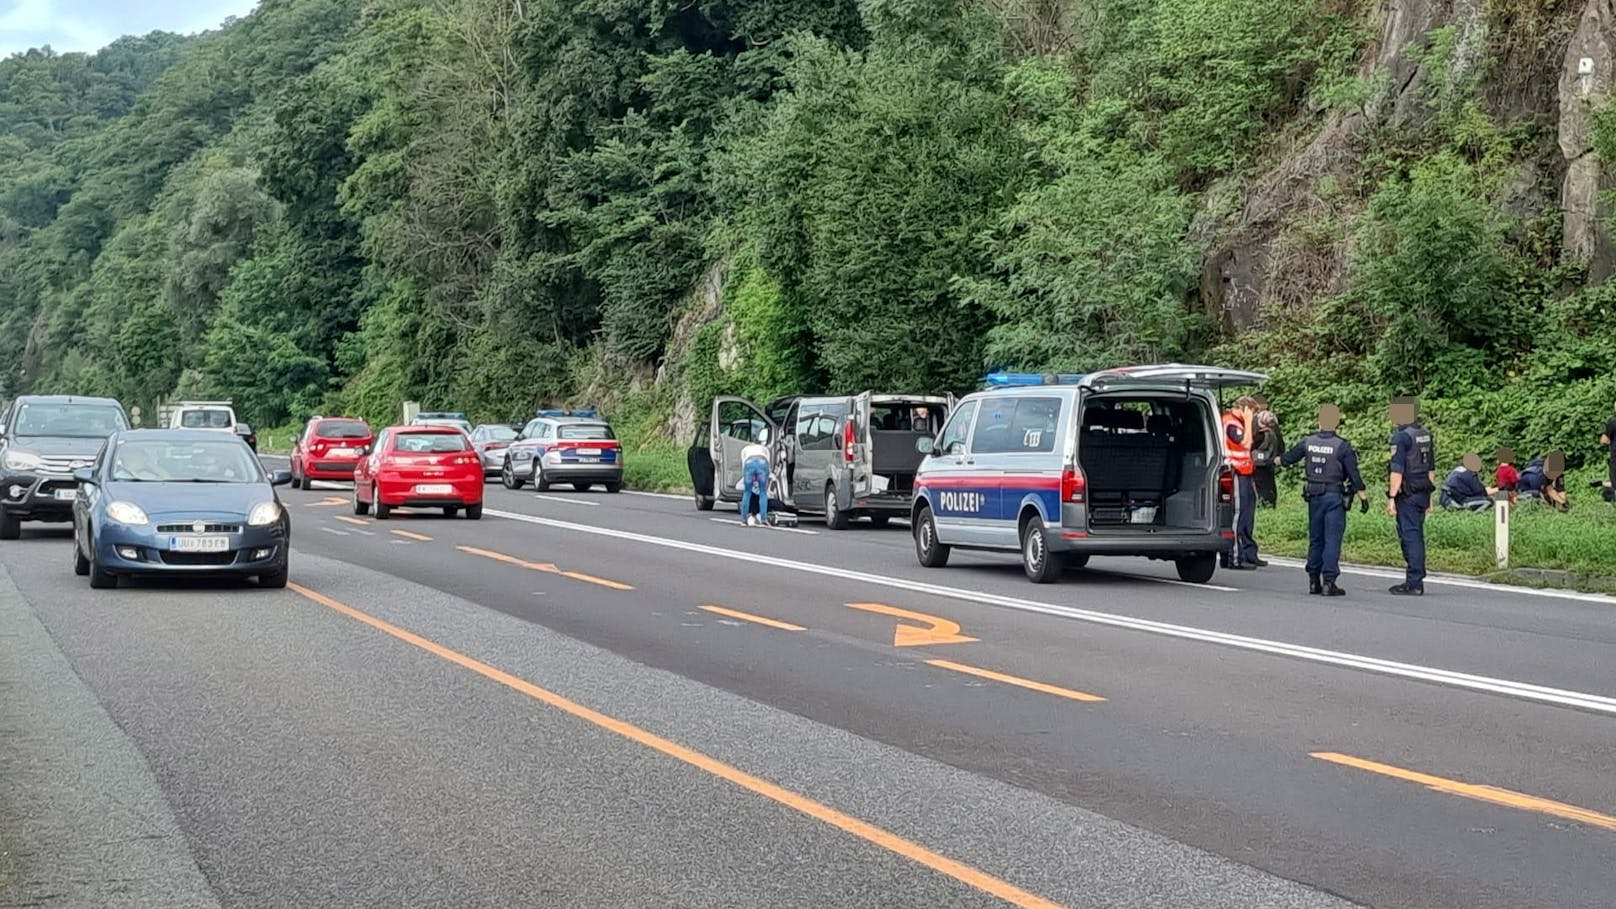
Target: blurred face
[{"x": 1402, "y": 413}]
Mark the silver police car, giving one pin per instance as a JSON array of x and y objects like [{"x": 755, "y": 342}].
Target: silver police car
[{"x": 564, "y": 446}]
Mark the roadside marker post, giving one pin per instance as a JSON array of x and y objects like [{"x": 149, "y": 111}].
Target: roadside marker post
[{"x": 1501, "y": 531}]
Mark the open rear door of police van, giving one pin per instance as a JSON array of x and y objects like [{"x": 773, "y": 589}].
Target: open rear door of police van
[
  {"x": 734, "y": 423},
  {"x": 1174, "y": 374}
]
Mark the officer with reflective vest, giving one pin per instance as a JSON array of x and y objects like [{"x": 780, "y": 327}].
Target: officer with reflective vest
[
  {"x": 1237, "y": 438},
  {"x": 1332, "y": 479},
  {"x": 1413, "y": 477}
]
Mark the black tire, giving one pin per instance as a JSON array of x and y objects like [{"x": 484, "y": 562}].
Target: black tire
[
  {"x": 835, "y": 518},
  {"x": 383, "y": 512},
  {"x": 1197, "y": 569},
  {"x": 81, "y": 565},
  {"x": 1041, "y": 565},
  {"x": 10, "y": 527},
  {"x": 704, "y": 503},
  {"x": 1076, "y": 561},
  {"x": 539, "y": 482},
  {"x": 474, "y": 512},
  {"x": 99, "y": 578},
  {"x": 581, "y": 487},
  {"x": 273, "y": 580},
  {"x": 451, "y": 511},
  {"x": 508, "y": 478},
  {"x": 931, "y": 553},
  {"x": 297, "y": 483},
  {"x": 614, "y": 488},
  {"x": 359, "y": 507},
  {"x": 880, "y": 520}
]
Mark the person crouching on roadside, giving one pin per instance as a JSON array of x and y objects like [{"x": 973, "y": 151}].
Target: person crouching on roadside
[{"x": 755, "y": 477}]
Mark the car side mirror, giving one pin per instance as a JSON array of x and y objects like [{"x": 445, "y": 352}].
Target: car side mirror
[
  {"x": 84, "y": 475},
  {"x": 925, "y": 445},
  {"x": 280, "y": 478}
]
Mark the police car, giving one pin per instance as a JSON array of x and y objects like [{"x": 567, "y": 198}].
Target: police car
[
  {"x": 564, "y": 446},
  {"x": 1119, "y": 462}
]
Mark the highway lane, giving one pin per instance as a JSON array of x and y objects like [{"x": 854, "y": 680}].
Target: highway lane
[{"x": 1204, "y": 744}]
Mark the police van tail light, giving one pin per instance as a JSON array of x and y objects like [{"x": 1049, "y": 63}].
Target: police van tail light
[
  {"x": 847, "y": 440},
  {"x": 1226, "y": 486},
  {"x": 1074, "y": 486}
]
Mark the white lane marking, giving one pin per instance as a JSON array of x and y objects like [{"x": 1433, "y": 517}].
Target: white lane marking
[
  {"x": 1542, "y": 694},
  {"x": 737, "y": 523},
  {"x": 540, "y": 495},
  {"x": 656, "y": 495},
  {"x": 340, "y": 533},
  {"x": 1173, "y": 581},
  {"x": 330, "y": 484},
  {"x": 1396, "y": 575}
]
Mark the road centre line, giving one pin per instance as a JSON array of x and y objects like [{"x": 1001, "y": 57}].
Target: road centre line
[
  {"x": 1522, "y": 690},
  {"x": 421, "y": 537},
  {"x": 540, "y": 495},
  {"x": 546, "y": 567},
  {"x": 355, "y": 521},
  {"x": 748, "y": 617},
  {"x": 864, "y": 830},
  {"x": 1017, "y": 681},
  {"x": 1505, "y": 797}
]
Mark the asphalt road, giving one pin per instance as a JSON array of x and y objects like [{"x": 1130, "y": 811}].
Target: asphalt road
[{"x": 617, "y": 701}]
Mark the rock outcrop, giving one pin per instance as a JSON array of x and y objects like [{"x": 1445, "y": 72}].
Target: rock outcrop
[{"x": 1585, "y": 89}]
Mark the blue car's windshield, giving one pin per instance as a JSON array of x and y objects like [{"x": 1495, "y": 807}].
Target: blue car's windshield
[
  {"x": 162, "y": 461},
  {"x": 82, "y": 421}
]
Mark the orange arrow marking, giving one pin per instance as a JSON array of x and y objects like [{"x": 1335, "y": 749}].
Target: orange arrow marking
[{"x": 938, "y": 631}]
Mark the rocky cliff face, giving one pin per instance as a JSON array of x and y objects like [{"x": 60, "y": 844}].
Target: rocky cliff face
[{"x": 1542, "y": 66}]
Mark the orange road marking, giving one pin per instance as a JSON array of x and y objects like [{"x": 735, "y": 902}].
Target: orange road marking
[
  {"x": 940, "y": 631},
  {"x": 1506, "y": 797},
  {"x": 412, "y": 536},
  {"x": 591, "y": 579},
  {"x": 1017, "y": 681},
  {"x": 542, "y": 566},
  {"x": 748, "y": 617},
  {"x": 343, "y": 517},
  {"x": 864, "y": 830}
]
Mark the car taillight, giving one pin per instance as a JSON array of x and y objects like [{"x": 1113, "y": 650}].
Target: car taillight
[
  {"x": 1226, "y": 486},
  {"x": 495, "y": 446},
  {"x": 1074, "y": 486},
  {"x": 847, "y": 440},
  {"x": 318, "y": 447}
]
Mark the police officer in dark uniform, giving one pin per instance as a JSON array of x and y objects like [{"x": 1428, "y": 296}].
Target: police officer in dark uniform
[
  {"x": 1332, "y": 479},
  {"x": 1413, "y": 477}
]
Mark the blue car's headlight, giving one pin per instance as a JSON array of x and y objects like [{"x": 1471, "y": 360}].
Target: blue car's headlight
[
  {"x": 126, "y": 513},
  {"x": 264, "y": 514}
]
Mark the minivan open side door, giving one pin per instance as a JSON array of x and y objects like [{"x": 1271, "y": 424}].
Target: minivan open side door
[{"x": 733, "y": 424}]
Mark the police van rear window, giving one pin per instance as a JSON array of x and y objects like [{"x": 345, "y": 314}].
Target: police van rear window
[{"x": 1014, "y": 425}]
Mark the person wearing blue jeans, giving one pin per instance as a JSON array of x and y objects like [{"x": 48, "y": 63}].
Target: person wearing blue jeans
[{"x": 755, "y": 475}]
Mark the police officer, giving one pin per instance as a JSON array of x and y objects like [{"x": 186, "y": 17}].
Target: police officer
[
  {"x": 1332, "y": 479},
  {"x": 1413, "y": 477}
]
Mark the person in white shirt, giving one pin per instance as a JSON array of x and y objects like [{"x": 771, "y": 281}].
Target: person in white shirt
[{"x": 755, "y": 475}]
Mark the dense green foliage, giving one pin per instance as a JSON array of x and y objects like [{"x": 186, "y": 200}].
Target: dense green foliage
[{"x": 491, "y": 204}]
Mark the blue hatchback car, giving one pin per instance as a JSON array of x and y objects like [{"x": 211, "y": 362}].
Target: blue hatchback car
[{"x": 179, "y": 502}]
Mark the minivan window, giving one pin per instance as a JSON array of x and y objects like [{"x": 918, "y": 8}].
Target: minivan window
[
  {"x": 78, "y": 421},
  {"x": 817, "y": 432},
  {"x": 958, "y": 430},
  {"x": 1017, "y": 425}
]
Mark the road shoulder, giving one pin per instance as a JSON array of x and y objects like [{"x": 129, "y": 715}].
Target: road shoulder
[{"x": 82, "y": 820}]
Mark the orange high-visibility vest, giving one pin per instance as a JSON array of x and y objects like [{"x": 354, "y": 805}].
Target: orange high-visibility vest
[{"x": 1239, "y": 453}]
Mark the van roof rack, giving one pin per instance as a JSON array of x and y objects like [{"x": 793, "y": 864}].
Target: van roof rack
[{"x": 1020, "y": 379}]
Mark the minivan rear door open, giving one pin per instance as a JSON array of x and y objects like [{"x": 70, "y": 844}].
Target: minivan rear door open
[{"x": 1213, "y": 377}]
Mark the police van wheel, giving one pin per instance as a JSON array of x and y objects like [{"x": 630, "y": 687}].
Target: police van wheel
[
  {"x": 1041, "y": 565},
  {"x": 704, "y": 503},
  {"x": 835, "y": 518},
  {"x": 1197, "y": 569},
  {"x": 931, "y": 553}
]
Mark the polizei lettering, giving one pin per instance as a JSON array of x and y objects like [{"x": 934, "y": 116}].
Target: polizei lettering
[{"x": 962, "y": 501}]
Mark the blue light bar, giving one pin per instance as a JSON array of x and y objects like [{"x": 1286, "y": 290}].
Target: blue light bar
[
  {"x": 440, "y": 415},
  {"x": 567, "y": 413},
  {"x": 1019, "y": 379}
]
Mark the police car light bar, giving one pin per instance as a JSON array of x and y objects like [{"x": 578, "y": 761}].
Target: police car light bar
[
  {"x": 1018, "y": 379},
  {"x": 566, "y": 413},
  {"x": 440, "y": 415}
]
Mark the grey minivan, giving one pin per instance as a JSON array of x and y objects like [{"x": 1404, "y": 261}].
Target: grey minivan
[
  {"x": 1119, "y": 462},
  {"x": 841, "y": 456}
]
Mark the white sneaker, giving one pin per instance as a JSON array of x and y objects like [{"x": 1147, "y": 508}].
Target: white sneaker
[{"x": 751, "y": 520}]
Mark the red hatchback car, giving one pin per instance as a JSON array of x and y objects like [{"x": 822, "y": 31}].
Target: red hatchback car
[
  {"x": 328, "y": 449},
  {"x": 420, "y": 467}
]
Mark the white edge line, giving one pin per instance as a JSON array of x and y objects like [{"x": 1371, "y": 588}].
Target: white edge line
[
  {"x": 540, "y": 495},
  {"x": 1396, "y": 575},
  {"x": 1582, "y": 700},
  {"x": 656, "y": 495},
  {"x": 736, "y": 522}
]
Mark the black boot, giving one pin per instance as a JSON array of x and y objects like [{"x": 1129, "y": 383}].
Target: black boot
[
  {"x": 1330, "y": 590},
  {"x": 1403, "y": 590},
  {"x": 1314, "y": 585}
]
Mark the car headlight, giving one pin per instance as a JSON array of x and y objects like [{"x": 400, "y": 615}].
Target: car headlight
[
  {"x": 22, "y": 460},
  {"x": 264, "y": 514},
  {"x": 126, "y": 513}
]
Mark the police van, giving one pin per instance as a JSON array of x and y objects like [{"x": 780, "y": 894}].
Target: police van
[{"x": 1121, "y": 462}]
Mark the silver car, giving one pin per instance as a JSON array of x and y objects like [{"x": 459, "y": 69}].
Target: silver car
[
  {"x": 580, "y": 450},
  {"x": 491, "y": 440}
]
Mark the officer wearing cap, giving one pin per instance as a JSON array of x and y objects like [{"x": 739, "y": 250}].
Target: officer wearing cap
[
  {"x": 1413, "y": 477},
  {"x": 1332, "y": 478}
]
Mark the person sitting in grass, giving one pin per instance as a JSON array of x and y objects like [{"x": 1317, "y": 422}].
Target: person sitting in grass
[
  {"x": 1537, "y": 484},
  {"x": 1463, "y": 488}
]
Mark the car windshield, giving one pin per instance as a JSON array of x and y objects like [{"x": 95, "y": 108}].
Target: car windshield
[
  {"x": 165, "y": 461},
  {"x": 498, "y": 433},
  {"x": 587, "y": 431},
  {"x": 79, "y": 421},
  {"x": 341, "y": 429},
  {"x": 429, "y": 442},
  {"x": 207, "y": 419}
]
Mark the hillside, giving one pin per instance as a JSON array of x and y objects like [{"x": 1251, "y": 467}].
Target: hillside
[{"x": 488, "y": 204}]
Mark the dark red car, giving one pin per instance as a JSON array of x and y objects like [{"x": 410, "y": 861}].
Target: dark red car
[
  {"x": 420, "y": 467},
  {"x": 328, "y": 449}
]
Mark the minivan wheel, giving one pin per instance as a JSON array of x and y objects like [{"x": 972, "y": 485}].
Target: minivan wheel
[
  {"x": 880, "y": 520},
  {"x": 835, "y": 518},
  {"x": 1197, "y": 569},
  {"x": 1041, "y": 565},
  {"x": 704, "y": 503},
  {"x": 931, "y": 553}
]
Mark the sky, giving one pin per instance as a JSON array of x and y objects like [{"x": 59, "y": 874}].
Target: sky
[{"x": 89, "y": 25}]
